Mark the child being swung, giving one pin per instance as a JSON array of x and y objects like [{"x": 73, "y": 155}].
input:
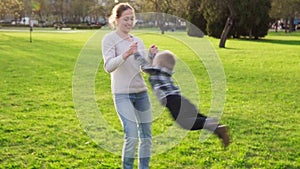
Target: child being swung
[{"x": 182, "y": 110}]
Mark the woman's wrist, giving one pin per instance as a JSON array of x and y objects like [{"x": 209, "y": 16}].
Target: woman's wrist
[{"x": 125, "y": 55}]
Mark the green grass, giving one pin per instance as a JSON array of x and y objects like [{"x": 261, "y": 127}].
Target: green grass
[{"x": 39, "y": 127}]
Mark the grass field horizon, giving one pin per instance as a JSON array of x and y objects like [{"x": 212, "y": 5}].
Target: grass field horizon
[{"x": 39, "y": 127}]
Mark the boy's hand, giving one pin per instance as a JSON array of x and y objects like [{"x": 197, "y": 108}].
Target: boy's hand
[{"x": 153, "y": 51}]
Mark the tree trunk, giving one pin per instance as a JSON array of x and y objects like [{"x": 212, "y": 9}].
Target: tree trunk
[
  {"x": 225, "y": 32},
  {"x": 161, "y": 25},
  {"x": 291, "y": 24},
  {"x": 229, "y": 22},
  {"x": 286, "y": 25},
  {"x": 162, "y": 29}
]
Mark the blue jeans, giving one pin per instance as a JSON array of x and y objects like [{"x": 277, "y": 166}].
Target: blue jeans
[{"x": 134, "y": 111}]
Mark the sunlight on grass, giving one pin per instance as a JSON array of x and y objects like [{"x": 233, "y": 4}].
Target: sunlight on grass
[{"x": 39, "y": 127}]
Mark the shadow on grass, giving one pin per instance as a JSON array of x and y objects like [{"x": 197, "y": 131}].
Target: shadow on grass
[
  {"x": 273, "y": 41},
  {"x": 270, "y": 41},
  {"x": 279, "y": 41}
]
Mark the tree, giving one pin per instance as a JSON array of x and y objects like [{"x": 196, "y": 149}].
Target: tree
[
  {"x": 11, "y": 9},
  {"x": 80, "y": 10},
  {"x": 237, "y": 18},
  {"x": 288, "y": 10},
  {"x": 163, "y": 9},
  {"x": 196, "y": 19},
  {"x": 40, "y": 8},
  {"x": 59, "y": 9},
  {"x": 96, "y": 11},
  {"x": 229, "y": 22},
  {"x": 215, "y": 13},
  {"x": 253, "y": 18},
  {"x": 77, "y": 11}
]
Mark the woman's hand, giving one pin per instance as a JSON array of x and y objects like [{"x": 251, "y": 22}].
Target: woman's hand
[{"x": 132, "y": 50}]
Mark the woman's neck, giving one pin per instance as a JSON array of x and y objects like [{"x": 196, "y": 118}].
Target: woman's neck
[{"x": 124, "y": 35}]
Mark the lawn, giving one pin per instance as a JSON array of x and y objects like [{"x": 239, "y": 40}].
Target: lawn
[{"x": 53, "y": 89}]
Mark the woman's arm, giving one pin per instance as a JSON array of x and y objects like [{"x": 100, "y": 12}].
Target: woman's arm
[{"x": 111, "y": 61}]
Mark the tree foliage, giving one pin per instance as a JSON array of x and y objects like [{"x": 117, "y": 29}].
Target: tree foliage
[
  {"x": 196, "y": 18},
  {"x": 164, "y": 10},
  {"x": 250, "y": 18},
  {"x": 13, "y": 8},
  {"x": 215, "y": 13}
]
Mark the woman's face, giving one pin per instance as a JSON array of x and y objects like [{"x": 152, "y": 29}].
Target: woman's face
[{"x": 126, "y": 21}]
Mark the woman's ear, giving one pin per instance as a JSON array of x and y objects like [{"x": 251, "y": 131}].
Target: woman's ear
[{"x": 117, "y": 21}]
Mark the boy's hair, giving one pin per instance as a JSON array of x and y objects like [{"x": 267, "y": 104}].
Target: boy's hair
[{"x": 165, "y": 59}]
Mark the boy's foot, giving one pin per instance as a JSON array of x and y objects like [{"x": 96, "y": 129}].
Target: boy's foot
[{"x": 222, "y": 132}]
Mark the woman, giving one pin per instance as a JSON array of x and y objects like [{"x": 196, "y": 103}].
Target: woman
[{"x": 128, "y": 87}]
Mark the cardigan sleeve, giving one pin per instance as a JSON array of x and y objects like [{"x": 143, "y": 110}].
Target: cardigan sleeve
[{"x": 111, "y": 61}]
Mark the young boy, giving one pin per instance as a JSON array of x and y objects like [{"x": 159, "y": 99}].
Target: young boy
[{"x": 182, "y": 110}]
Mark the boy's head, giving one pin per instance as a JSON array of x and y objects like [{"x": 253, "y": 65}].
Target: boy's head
[{"x": 164, "y": 59}]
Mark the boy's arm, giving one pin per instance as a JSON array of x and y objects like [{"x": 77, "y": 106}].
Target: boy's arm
[
  {"x": 150, "y": 70},
  {"x": 143, "y": 62},
  {"x": 146, "y": 61}
]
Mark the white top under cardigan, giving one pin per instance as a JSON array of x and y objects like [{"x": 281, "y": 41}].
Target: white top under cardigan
[{"x": 125, "y": 74}]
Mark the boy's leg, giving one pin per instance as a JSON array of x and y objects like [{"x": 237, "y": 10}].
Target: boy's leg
[
  {"x": 188, "y": 116},
  {"x": 222, "y": 132},
  {"x": 185, "y": 113}
]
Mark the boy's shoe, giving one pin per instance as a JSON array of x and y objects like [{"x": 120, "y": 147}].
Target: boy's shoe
[{"x": 222, "y": 132}]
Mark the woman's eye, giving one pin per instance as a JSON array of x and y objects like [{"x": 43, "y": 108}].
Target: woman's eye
[{"x": 127, "y": 19}]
